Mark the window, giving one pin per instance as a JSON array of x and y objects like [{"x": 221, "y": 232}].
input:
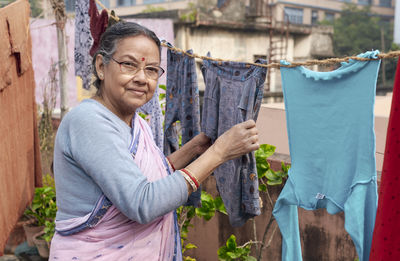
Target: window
[
  {"x": 364, "y": 2},
  {"x": 385, "y": 3},
  {"x": 314, "y": 17},
  {"x": 293, "y": 15},
  {"x": 126, "y": 2},
  {"x": 329, "y": 16}
]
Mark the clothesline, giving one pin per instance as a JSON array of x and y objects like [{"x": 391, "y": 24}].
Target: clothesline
[{"x": 329, "y": 61}]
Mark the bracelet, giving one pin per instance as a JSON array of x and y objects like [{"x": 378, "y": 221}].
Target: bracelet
[
  {"x": 170, "y": 164},
  {"x": 189, "y": 180},
  {"x": 193, "y": 177}
]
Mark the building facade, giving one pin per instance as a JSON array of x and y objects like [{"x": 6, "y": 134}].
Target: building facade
[{"x": 245, "y": 30}]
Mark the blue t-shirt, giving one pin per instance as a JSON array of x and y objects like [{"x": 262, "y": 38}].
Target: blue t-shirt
[{"x": 330, "y": 126}]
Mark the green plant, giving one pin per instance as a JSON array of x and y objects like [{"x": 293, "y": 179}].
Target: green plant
[
  {"x": 153, "y": 9},
  {"x": 231, "y": 251},
  {"x": 189, "y": 15},
  {"x": 43, "y": 207},
  {"x": 209, "y": 206},
  {"x": 267, "y": 176},
  {"x": 49, "y": 229}
]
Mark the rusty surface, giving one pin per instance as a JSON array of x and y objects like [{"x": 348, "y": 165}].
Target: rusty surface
[{"x": 20, "y": 164}]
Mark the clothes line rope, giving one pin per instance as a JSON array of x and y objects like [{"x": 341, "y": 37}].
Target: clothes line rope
[{"x": 329, "y": 61}]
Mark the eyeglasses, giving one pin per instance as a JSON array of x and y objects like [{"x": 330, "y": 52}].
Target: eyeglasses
[{"x": 130, "y": 68}]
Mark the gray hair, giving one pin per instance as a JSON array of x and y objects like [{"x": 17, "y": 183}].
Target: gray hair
[{"x": 109, "y": 39}]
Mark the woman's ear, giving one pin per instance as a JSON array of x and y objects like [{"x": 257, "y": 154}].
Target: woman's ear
[{"x": 99, "y": 66}]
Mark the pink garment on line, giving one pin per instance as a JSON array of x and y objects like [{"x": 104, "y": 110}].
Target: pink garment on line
[{"x": 116, "y": 237}]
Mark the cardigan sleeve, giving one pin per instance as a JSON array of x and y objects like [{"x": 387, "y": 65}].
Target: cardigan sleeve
[{"x": 98, "y": 147}]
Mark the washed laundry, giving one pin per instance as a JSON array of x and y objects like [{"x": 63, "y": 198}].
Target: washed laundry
[
  {"x": 98, "y": 25},
  {"x": 83, "y": 42},
  {"x": 233, "y": 94},
  {"x": 182, "y": 104},
  {"x": 386, "y": 239},
  {"x": 330, "y": 125},
  {"x": 153, "y": 109}
]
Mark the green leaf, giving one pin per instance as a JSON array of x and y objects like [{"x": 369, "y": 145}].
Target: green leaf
[
  {"x": 272, "y": 176},
  {"x": 190, "y": 246},
  {"x": 274, "y": 182},
  {"x": 219, "y": 205},
  {"x": 162, "y": 86},
  {"x": 233, "y": 255},
  {"x": 265, "y": 151},
  {"x": 231, "y": 243},
  {"x": 262, "y": 187}
]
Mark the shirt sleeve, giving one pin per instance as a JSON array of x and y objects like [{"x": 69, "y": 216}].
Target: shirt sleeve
[{"x": 99, "y": 148}]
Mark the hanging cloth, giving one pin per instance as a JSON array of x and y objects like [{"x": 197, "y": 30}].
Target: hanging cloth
[
  {"x": 83, "y": 42},
  {"x": 233, "y": 94},
  {"x": 330, "y": 126},
  {"x": 182, "y": 104},
  {"x": 98, "y": 25},
  {"x": 386, "y": 240},
  {"x": 153, "y": 109}
]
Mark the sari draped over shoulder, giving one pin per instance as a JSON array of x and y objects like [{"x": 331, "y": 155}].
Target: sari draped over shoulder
[{"x": 107, "y": 234}]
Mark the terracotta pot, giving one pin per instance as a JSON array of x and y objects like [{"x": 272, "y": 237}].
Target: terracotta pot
[
  {"x": 30, "y": 231},
  {"x": 41, "y": 245}
]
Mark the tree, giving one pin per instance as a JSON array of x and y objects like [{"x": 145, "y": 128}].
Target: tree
[
  {"x": 358, "y": 30},
  {"x": 36, "y": 8}
]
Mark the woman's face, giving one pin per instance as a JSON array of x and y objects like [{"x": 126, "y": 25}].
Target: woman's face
[{"x": 123, "y": 90}]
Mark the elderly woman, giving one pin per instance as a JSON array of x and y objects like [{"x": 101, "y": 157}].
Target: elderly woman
[{"x": 116, "y": 192}]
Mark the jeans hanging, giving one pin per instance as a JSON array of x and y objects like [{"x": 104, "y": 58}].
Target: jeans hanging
[
  {"x": 182, "y": 104},
  {"x": 233, "y": 94}
]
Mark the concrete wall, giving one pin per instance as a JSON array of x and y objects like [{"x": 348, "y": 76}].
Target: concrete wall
[{"x": 244, "y": 45}]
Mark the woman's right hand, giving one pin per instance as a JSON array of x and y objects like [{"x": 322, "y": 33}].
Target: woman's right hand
[{"x": 242, "y": 138}]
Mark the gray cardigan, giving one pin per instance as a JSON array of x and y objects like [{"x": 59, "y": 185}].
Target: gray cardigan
[{"x": 91, "y": 158}]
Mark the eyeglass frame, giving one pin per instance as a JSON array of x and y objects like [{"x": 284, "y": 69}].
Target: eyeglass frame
[{"x": 138, "y": 68}]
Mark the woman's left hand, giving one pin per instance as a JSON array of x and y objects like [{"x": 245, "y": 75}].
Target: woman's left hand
[{"x": 200, "y": 143}]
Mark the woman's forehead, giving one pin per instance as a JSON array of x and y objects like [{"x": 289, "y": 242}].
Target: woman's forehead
[{"x": 138, "y": 47}]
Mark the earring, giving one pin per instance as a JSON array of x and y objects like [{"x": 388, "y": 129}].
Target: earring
[{"x": 101, "y": 76}]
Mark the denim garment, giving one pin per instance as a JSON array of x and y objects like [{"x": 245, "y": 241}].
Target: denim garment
[
  {"x": 182, "y": 104},
  {"x": 330, "y": 124},
  {"x": 153, "y": 109},
  {"x": 233, "y": 94}
]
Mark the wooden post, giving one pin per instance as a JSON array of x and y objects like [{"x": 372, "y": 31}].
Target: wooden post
[{"x": 61, "y": 18}]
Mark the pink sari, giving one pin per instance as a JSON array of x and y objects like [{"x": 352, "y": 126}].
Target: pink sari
[{"x": 107, "y": 234}]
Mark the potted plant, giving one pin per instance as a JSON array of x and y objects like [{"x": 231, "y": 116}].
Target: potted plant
[{"x": 43, "y": 212}]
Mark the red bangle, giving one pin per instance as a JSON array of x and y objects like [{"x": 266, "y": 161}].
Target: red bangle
[
  {"x": 170, "y": 163},
  {"x": 192, "y": 177}
]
